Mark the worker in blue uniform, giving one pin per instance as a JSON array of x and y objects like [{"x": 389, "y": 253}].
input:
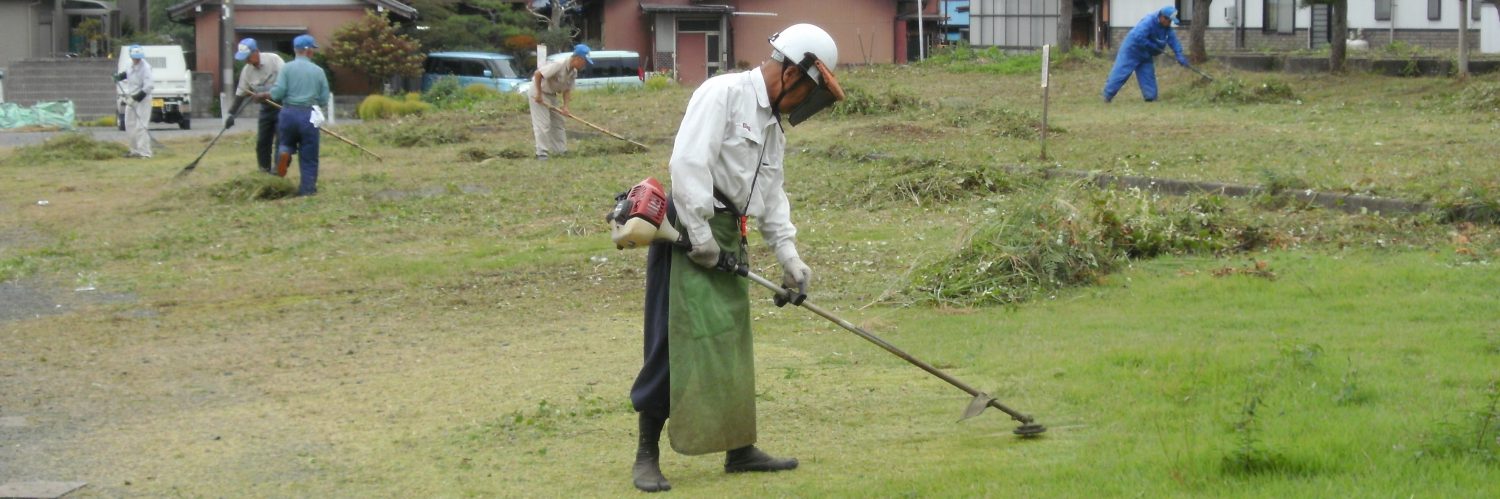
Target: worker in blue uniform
[{"x": 1146, "y": 40}]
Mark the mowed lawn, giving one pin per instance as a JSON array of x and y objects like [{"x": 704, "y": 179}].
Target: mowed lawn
[{"x": 442, "y": 324}]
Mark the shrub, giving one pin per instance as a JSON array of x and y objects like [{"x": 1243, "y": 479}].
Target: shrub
[
  {"x": 378, "y": 107},
  {"x": 992, "y": 60},
  {"x": 659, "y": 82}
]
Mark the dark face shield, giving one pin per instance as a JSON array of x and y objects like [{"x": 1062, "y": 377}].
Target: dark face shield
[
  {"x": 825, "y": 94},
  {"x": 819, "y": 99}
]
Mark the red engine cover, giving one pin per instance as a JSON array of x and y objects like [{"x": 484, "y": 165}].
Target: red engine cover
[{"x": 647, "y": 201}]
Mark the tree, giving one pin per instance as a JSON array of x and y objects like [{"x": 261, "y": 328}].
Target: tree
[
  {"x": 483, "y": 25},
  {"x": 553, "y": 13},
  {"x": 1064, "y": 26},
  {"x": 372, "y": 46},
  {"x": 1197, "y": 32},
  {"x": 1338, "y": 47}
]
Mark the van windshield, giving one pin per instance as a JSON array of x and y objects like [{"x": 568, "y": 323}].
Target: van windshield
[
  {"x": 503, "y": 68},
  {"x": 611, "y": 67},
  {"x": 499, "y": 68}
]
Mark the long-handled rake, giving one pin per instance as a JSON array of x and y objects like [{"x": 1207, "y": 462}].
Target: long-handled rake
[
  {"x": 596, "y": 127},
  {"x": 981, "y": 400},
  {"x": 194, "y": 164}
]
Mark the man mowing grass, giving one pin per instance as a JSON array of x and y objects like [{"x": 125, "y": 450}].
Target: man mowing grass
[{"x": 726, "y": 164}]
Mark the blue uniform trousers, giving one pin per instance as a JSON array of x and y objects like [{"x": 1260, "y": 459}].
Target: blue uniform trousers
[{"x": 297, "y": 134}]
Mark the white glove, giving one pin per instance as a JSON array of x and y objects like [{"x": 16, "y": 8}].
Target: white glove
[
  {"x": 795, "y": 274},
  {"x": 705, "y": 254},
  {"x": 317, "y": 117}
]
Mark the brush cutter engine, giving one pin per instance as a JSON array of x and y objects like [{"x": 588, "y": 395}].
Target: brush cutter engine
[{"x": 640, "y": 216}]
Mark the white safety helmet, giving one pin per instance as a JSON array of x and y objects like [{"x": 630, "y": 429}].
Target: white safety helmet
[
  {"x": 794, "y": 43},
  {"x": 810, "y": 48}
]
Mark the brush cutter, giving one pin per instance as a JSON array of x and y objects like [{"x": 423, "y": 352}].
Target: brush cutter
[
  {"x": 1029, "y": 428},
  {"x": 1200, "y": 73},
  {"x": 639, "y": 218},
  {"x": 596, "y": 127}
]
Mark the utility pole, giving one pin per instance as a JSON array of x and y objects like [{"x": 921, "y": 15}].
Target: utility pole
[
  {"x": 226, "y": 57},
  {"x": 921, "y": 38},
  {"x": 1463, "y": 38}
]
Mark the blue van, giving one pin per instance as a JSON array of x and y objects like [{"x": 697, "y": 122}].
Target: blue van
[{"x": 493, "y": 70}]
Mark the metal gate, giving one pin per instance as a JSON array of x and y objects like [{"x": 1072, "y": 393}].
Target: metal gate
[{"x": 1013, "y": 23}]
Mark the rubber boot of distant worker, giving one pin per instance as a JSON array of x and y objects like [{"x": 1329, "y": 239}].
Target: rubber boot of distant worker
[{"x": 647, "y": 469}]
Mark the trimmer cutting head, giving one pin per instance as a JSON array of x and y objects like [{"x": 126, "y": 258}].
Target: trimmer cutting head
[{"x": 1029, "y": 430}]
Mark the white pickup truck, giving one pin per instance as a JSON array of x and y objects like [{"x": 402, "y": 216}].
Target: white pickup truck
[{"x": 171, "y": 97}]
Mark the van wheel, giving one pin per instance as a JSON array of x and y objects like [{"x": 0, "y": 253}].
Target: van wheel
[
  {"x": 186, "y": 123},
  {"x": 120, "y": 121}
]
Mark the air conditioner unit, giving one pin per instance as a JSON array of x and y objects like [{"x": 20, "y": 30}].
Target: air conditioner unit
[{"x": 1231, "y": 15}]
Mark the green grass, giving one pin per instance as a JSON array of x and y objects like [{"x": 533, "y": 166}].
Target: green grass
[{"x": 453, "y": 321}]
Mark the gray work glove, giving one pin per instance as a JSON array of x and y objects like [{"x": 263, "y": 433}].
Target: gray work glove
[
  {"x": 795, "y": 274},
  {"x": 794, "y": 278},
  {"x": 139, "y": 96},
  {"x": 705, "y": 254}
]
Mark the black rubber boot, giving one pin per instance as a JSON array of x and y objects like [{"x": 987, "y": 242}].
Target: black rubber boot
[
  {"x": 749, "y": 458},
  {"x": 647, "y": 469}
]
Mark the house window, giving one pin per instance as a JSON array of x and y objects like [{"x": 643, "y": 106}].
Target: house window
[
  {"x": 1279, "y": 16},
  {"x": 1185, "y": 12},
  {"x": 1434, "y": 10},
  {"x": 1382, "y": 10},
  {"x": 1474, "y": 6}
]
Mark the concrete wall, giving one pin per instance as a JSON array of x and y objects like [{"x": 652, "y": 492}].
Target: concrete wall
[
  {"x": 17, "y": 32},
  {"x": 87, "y": 82}
]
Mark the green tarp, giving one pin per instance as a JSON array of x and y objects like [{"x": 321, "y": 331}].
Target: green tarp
[{"x": 57, "y": 114}]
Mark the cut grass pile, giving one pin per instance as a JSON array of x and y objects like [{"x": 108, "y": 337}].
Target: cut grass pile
[
  {"x": 1072, "y": 236},
  {"x": 1232, "y": 90},
  {"x": 253, "y": 187},
  {"x": 72, "y": 146}
]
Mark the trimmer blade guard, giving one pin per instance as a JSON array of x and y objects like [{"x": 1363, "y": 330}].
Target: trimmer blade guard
[{"x": 976, "y": 406}]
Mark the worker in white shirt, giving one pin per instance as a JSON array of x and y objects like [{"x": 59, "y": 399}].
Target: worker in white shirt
[
  {"x": 726, "y": 164},
  {"x": 137, "y": 102},
  {"x": 550, "y": 81},
  {"x": 256, "y": 80}
]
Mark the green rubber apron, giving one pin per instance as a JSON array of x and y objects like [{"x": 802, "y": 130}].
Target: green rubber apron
[{"x": 710, "y": 354}]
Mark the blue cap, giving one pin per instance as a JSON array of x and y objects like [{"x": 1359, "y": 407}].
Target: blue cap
[
  {"x": 304, "y": 42},
  {"x": 136, "y": 52},
  {"x": 582, "y": 50},
  {"x": 246, "y": 47},
  {"x": 1170, "y": 12}
]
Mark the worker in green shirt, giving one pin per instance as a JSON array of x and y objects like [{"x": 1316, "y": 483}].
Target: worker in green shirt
[{"x": 302, "y": 90}]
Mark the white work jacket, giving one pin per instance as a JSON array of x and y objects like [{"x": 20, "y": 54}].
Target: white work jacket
[
  {"x": 727, "y": 130},
  {"x": 138, "y": 79}
]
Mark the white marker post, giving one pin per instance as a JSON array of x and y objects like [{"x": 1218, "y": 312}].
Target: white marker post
[{"x": 1046, "y": 59}]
